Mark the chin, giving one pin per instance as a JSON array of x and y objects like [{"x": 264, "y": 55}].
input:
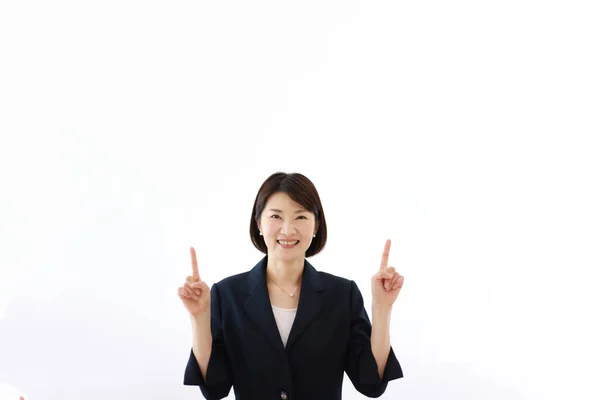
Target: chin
[{"x": 290, "y": 255}]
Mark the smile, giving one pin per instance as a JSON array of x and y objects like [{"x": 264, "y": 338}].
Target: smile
[{"x": 288, "y": 244}]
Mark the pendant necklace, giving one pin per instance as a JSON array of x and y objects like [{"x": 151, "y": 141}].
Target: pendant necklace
[{"x": 285, "y": 291}]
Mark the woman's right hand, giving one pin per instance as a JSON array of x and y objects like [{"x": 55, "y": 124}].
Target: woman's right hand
[{"x": 195, "y": 293}]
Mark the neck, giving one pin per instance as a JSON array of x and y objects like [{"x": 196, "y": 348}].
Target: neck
[{"x": 285, "y": 272}]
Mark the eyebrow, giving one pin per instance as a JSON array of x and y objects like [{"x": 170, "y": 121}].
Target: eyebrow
[{"x": 276, "y": 210}]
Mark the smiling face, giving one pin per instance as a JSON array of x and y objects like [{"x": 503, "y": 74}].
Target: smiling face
[{"x": 287, "y": 227}]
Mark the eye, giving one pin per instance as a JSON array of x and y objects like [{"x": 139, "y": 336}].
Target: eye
[
  {"x": 302, "y": 216},
  {"x": 274, "y": 215}
]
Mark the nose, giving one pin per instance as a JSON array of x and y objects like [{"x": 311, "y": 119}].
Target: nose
[{"x": 287, "y": 229}]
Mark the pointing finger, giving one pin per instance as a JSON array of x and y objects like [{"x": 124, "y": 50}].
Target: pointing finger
[
  {"x": 386, "y": 254},
  {"x": 194, "y": 263}
]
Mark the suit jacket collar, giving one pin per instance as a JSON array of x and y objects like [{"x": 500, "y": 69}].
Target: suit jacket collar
[{"x": 258, "y": 306}]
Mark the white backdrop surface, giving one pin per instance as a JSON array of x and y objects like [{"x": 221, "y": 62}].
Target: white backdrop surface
[{"x": 464, "y": 131}]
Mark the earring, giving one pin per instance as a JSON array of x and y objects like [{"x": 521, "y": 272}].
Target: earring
[
  {"x": 314, "y": 235},
  {"x": 260, "y": 233}
]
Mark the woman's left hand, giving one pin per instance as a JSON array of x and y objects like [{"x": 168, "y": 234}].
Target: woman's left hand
[{"x": 386, "y": 283}]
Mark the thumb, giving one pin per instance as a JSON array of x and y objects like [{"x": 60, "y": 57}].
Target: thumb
[
  {"x": 201, "y": 285},
  {"x": 384, "y": 274}
]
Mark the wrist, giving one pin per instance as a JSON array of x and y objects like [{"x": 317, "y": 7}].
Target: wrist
[
  {"x": 381, "y": 308},
  {"x": 200, "y": 318}
]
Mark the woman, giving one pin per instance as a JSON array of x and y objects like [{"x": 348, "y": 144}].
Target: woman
[{"x": 284, "y": 330}]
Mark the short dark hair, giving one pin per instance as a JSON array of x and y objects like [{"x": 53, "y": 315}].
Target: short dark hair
[{"x": 300, "y": 189}]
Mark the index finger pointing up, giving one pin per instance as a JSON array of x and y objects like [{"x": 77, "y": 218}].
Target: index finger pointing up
[
  {"x": 194, "y": 264},
  {"x": 386, "y": 254}
]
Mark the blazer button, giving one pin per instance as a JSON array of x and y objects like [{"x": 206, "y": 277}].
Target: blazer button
[{"x": 284, "y": 395}]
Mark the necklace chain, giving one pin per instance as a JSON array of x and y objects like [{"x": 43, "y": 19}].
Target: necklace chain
[{"x": 285, "y": 291}]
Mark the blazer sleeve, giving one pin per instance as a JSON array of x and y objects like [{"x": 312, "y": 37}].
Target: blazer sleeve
[
  {"x": 361, "y": 366},
  {"x": 218, "y": 374}
]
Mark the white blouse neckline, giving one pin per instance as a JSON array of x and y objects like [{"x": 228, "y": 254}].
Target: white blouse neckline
[{"x": 284, "y": 309}]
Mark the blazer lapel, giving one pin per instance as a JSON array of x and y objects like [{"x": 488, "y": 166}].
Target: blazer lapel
[
  {"x": 258, "y": 306},
  {"x": 309, "y": 303}
]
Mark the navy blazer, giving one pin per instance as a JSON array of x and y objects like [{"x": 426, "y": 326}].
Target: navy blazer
[{"x": 330, "y": 334}]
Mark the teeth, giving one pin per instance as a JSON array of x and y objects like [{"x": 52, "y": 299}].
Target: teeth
[{"x": 287, "y": 243}]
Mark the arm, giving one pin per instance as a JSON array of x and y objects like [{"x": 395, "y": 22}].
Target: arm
[
  {"x": 365, "y": 345},
  {"x": 208, "y": 364},
  {"x": 380, "y": 336},
  {"x": 202, "y": 340}
]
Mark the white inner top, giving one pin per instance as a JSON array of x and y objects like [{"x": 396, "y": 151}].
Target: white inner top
[{"x": 284, "y": 317}]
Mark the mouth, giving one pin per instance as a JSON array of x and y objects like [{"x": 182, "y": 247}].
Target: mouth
[{"x": 288, "y": 244}]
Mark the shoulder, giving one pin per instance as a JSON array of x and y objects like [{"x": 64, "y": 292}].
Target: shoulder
[
  {"x": 332, "y": 279},
  {"x": 342, "y": 291},
  {"x": 233, "y": 281},
  {"x": 337, "y": 284},
  {"x": 230, "y": 290}
]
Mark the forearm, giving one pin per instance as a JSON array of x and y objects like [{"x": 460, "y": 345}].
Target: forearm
[
  {"x": 380, "y": 336},
  {"x": 202, "y": 340}
]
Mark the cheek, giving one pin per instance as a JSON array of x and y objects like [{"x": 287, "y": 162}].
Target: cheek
[
  {"x": 269, "y": 228},
  {"x": 309, "y": 228}
]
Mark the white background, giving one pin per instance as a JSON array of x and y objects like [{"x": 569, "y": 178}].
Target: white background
[{"x": 465, "y": 131}]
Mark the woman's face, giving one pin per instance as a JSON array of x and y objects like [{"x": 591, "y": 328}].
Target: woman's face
[{"x": 285, "y": 220}]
